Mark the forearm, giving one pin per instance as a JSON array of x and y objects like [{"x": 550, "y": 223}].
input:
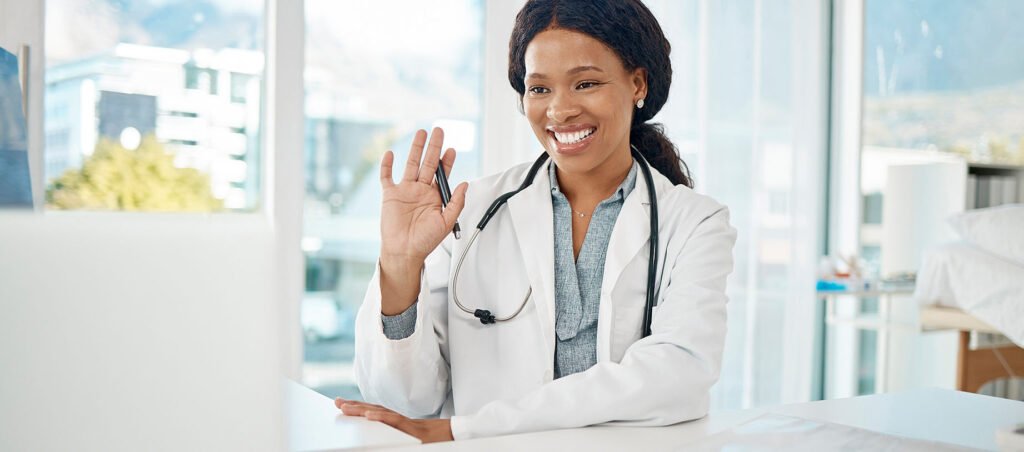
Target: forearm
[
  {"x": 666, "y": 387},
  {"x": 408, "y": 374}
]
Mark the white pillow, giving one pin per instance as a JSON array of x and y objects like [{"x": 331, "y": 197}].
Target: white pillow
[{"x": 998, "y": 230}]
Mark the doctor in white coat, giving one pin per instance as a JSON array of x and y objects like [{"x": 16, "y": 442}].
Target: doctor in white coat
[{"x": 590, "y": 74}]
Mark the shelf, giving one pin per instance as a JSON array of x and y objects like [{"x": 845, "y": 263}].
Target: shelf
[{"x": 994, "y": 169}]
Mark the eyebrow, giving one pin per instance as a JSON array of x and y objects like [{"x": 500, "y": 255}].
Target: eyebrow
[{"x": 573, "y": 71}]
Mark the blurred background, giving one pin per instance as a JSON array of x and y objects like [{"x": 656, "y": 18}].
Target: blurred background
[{"x": 841, "y": 134}]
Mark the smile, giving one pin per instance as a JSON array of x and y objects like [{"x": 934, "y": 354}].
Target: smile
[{"x": 573, "y": 137}]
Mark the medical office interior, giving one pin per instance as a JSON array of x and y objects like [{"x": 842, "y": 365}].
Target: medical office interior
[{"x": 189, "y": 207}]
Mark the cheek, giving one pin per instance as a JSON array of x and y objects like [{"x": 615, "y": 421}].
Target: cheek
[
  {"x": 615, "y": 116},
  {"x": 536, "y": 115}
]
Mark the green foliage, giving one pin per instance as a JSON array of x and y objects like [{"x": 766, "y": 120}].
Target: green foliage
[{"x": 145, "y": 179}]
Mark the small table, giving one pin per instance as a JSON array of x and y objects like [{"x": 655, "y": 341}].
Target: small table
[{"x": 882, "y": 325}]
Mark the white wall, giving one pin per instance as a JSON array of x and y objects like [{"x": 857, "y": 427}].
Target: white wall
[{"x": 507, "y": 136}]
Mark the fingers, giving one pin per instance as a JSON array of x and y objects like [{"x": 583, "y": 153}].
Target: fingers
[
  {"x": 354, "y": 407},
  {"x": 351, "y": 409},
  {"x": 433, "y": 157},
  {"x": 458, "y": 201},
  {"x": 412, "y": 165},
  {"x": 391, "y": 418},
  {"x": 386, "y": 164},
  {"x": 448, "y": 161}
]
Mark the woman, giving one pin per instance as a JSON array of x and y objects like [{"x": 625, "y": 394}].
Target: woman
[{"x": 539, "y": 321}]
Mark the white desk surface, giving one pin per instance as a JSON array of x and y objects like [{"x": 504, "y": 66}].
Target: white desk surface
[
  {"x": 942, "y": 415},
  {"x": 314, "y": 423}
]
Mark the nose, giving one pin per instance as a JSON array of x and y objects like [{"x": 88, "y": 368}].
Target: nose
[{"x": 562, "y": 108}]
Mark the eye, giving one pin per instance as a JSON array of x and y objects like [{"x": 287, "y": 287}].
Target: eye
[
  {"x": 585, "y": 85},
  {"x": 538, "y": 90}
]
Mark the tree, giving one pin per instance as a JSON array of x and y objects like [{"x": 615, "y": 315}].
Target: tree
[{"x": 145, "y": 179}]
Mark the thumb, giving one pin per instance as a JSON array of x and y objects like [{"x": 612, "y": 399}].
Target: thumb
[{"x": 458, "y": 201}]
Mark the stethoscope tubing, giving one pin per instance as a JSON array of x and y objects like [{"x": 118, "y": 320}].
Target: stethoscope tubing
[{"x": 486, "y": 317}]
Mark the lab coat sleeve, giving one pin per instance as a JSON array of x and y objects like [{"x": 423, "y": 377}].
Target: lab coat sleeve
[
  {"x": 409, "y": 375},
  {"x": 662, "y": 379}
]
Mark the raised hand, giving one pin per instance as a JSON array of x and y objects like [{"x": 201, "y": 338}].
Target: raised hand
[{"x": 412, "y": 221}]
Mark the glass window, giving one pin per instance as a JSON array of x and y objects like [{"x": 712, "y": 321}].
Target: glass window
[
  {"x": 943, "y": 87},
  {"x": 373, "y": 78},
  {"x": 136, "y": 116},
  {"x": 947, "y": 76}
]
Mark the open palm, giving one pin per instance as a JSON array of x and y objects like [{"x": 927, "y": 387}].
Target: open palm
[{"x": 412, "y": 221}]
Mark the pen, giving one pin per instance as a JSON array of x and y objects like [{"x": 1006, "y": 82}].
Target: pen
[{"x": 446, "y": 195}]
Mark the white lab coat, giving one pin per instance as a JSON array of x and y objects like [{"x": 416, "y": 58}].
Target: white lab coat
[{"x": 497, "y": 379}]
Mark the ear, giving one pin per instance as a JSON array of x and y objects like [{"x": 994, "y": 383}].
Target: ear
[{"x": 639, "y": 79}]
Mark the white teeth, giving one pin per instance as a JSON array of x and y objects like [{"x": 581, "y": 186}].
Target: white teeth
[{"x": 573, "y": 137}]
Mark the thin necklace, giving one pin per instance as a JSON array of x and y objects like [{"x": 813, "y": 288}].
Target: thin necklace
[{"x": 581, "y": 214}]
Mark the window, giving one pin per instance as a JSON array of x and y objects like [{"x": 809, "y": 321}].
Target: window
[
  {"x": 943, "y": 83},
  {"x": 147, "y": 76},
  {"x": 947, "y": 76},
  {"x": 373, "y": 78}
]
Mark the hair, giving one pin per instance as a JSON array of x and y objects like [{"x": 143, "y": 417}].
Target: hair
[{"x": 631, "y": 31}]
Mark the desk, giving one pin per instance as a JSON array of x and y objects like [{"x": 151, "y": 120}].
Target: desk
[
  {"x": 314, "y": 423},
  {"x": 947, "y": 416}
]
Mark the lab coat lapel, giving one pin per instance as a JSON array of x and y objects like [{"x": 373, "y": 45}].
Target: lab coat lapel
[
  {"x": 532, "y": 218},
  {"x": 630, "y": 234}
]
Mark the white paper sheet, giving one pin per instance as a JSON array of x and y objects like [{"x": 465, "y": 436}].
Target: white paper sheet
[{"x": 778, "y": 432}]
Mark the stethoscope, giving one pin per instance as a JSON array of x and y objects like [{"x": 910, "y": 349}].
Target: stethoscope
[{"x": 487, "y": 318}]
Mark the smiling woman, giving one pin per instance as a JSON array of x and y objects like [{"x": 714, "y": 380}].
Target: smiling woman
[
  {"x": 635, "y": 55},
  {"x": 624, "y": 315}
]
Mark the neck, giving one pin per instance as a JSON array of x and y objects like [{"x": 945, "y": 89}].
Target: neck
[{"x": 597, "y": 184}]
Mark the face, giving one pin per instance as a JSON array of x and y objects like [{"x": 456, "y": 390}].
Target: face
[{"x": 579, "y": 100}]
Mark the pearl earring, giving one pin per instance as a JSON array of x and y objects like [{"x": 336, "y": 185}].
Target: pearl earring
[{"x": 640, "y": 103}]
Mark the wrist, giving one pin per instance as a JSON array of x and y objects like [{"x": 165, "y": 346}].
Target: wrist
[
  {"x": 399, "y": 284},
  {"x": 401, "y": 262}
]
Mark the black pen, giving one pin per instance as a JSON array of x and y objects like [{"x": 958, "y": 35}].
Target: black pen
[{"x": 446, "y": 194}]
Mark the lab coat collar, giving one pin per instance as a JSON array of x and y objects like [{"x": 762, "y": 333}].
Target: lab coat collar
[
  {"x": 533, "y": 220},
  {"x": 629, "y": 235}
]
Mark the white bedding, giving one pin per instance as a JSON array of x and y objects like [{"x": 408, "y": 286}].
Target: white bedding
[{"x": 980, "y": 283}]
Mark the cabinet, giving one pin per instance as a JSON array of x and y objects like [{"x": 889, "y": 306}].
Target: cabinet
[{"x": 990, "y": 185}]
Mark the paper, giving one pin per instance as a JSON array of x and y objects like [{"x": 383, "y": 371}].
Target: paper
[
  {"x": 777, "y": 432},
  {"x": 15, "y": 183}
]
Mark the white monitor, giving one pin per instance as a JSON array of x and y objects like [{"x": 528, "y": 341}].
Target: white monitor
[{"x": 138, "y": 332}]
